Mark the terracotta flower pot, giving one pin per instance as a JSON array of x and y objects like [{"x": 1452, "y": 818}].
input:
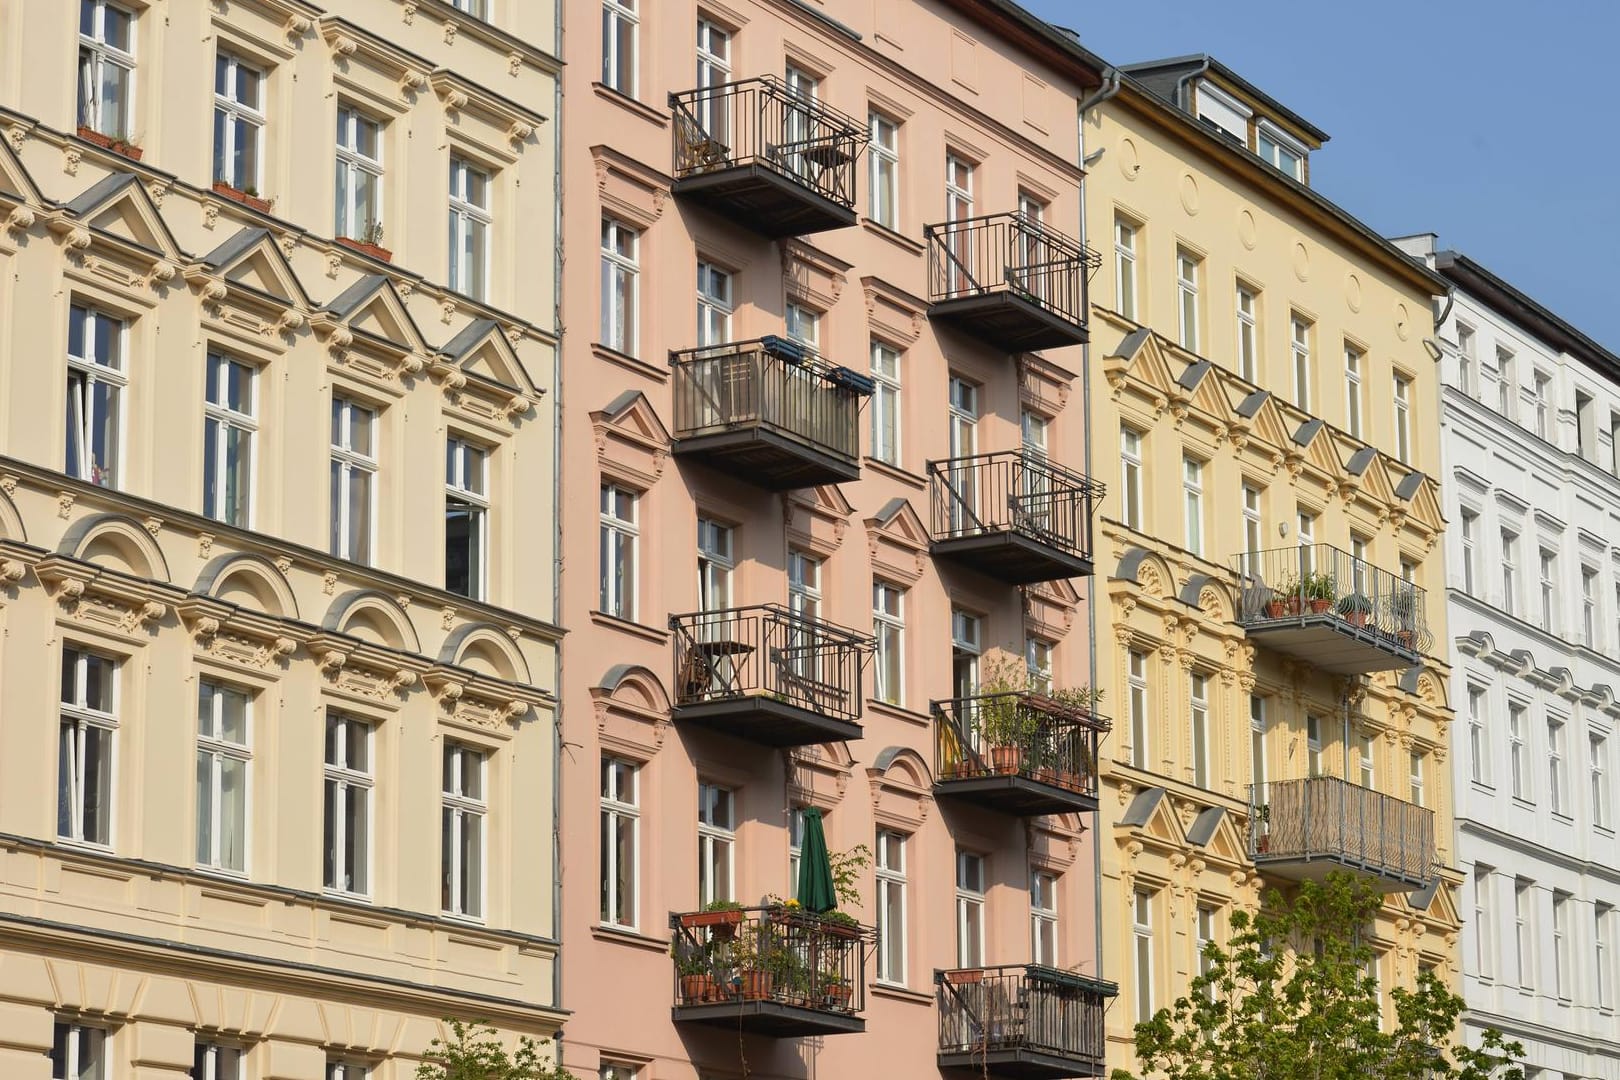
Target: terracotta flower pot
[
  {"x": 1275, "y": 609},
  {"x": 236, "y": 194},
  {"x": 375, "y": 251},
  {"x": 1320, "y": 606},
  {"x": 1356, "y": 618},
  {"x": 696, "y": 989},
  {"x": 1004, "y": 759},
  {"x": 754, "y": 984},
  {"x": 111, "y": 142},
  {"x": 965, "y": 976}
]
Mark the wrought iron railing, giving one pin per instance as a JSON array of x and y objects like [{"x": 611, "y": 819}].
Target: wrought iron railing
[
  {"x": 1315, "y": 580},
  {"x": 760, "y": 121},
  {"x": 1012, "y": 1007},
  {"x": 769, "y": 651},
  {"x": 1018, "y": 734},
  {"x": 1009, "y": 253},
  {"x": 1013, "y": 491},
  {"x": 774, "y": 954},
  {"x": 774, "y": 383},
  {"x": 1330, "y": 817}
]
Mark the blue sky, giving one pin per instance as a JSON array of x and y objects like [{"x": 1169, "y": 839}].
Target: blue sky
[{"x": 1490, "y": 122}]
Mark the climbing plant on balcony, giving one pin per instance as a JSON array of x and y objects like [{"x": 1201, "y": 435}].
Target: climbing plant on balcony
[{"x": 1290, "y": 997}]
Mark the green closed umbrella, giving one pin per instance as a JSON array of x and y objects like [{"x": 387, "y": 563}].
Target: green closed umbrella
[{"x": 815, "y": 891}]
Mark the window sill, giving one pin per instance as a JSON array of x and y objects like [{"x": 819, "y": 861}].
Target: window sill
[
  {"x": 1523, "y": 803},
  {"x": 628, "y": 362},
  {"x": 640, "y": 630},
  {"x": 630, "y": 104},
  {"x": 618, "y": 935},
  {"x": 901, "y": 993},
  {"x": 895, "y": 472},
  {"x": 899, "y": 712},
  {"x": 898, "y": 239}
]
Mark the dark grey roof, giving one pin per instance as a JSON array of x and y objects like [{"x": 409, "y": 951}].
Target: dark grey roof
[
  {"x": 1361, "y": 461},
  {"x": 1251, "y": 404},
  {"x": 351, "y": 298},
  {"x": 1202, "y": 830},
  {"x": 1409, "y": 486},
  {"x": 891, "y": 508},
  {"x": 628, "y": 398},
  {"x": 1194, "y": 374},
  {"x": 1420, "y": 899},
  {"x": 1131, "y": 343},
  {"x": 1141, "y": 809},
  {"x": 1307, "y": 431},
  {"x": 100, "y": 191},
  {"x": 236, "y": 246},
  {"x": 1164, "y": 77},
  {"x": 471, "y": 334}
]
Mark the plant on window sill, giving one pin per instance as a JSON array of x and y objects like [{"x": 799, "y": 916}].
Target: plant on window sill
[
  {"x": 118, "y": 144},
  {"x": 247, "y": 196},
  {"x": 369, "y": 242}
]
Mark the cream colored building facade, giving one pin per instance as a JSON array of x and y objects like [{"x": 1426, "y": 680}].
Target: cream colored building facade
[
  {"x": 277, "y": 581},
  {"x": 1258, "y": 371}
]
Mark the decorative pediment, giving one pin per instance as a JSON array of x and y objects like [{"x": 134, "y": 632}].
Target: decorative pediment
[
  {"x": 237, "y": 636},
  {"x": 1150, "y": 819},
  {"x": 363, "y": 671},
  {"x": 901, "y": 788},
  {"x": 629, "y": 188},
  {"x": 812, "y": 274},
  {"x": 1221, "y": 836},
  {"x": 1049, "y": 608},
  {"x": 894, "y": 313},
  {"x": 481, "y": 373},
  {"x": 248, "y": 283},
  {"x": 630, "y": 439},
  {"x": 1321, "y": 456},
  {"x": 1141, "y": 356},
  {"x": 1203, "y": 390},
  {"x": 349, "y": 45},
  {"x": 369, "y": 326},
  {"x": 104, "y": 599},
  {"x": 817, "y": 518},
  {"x": 818, "y": 775},
  {"x": 461, "y": 98},
  {"x": 897, "y": 542},
  {"x": 478, "y": 703},
  {"x": 1042, "y": 385},
  {"x": 18, "y": 193},
  {"x": 632, "y": 711},
  {"x": 120, "y": 207}
]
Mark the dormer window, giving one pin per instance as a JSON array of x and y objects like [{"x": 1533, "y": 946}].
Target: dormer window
[
  {"x": 1281, "y": 151},
  {"x": 1223, "y": 112}
]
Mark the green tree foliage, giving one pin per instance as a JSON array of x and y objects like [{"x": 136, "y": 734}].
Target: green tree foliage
[
  {"x": 476, "y": 1053},
  {"x": 1291, "y": 998}
]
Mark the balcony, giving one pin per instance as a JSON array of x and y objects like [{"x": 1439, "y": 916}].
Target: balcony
[
  {"x": 1009, "y": 280},
  {"x": 766, "y": 158},
  {"x": 769, "y": 971},
  {"x": 1013, "y": 515},
  {"x": 1331, "y": 609},
  {"x": 769, "y": 412},
  {"x": 1022, "y": 753},
  {"x": 768, "y": 675},
  {"x": 1301, "y": 829},
  {"x": 1022, "y": 1021}
]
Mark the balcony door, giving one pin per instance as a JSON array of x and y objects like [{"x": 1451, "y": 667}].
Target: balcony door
[
  {"x": 964, "y": 444},
  {"x": 798, "y": 123},
  {"x": 713, "y": 73},
  {"x": 959, "y": 237},
  {"x": 717, "y": 387},
  {"x": 722, "y": 640}
]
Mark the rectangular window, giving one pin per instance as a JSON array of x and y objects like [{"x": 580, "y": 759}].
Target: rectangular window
[
  {"x": 1597, "y": 768},
  {"x": 803, "y": 325},
  {"x": 1142, "y": 936},
  {"x": 1299, "y": 334},
  {"x": 1563, "y": 974},
  {"x": 1589, "y": 612},
  {"x": 464, "y": 809},
  {"x": 1543, "y": 404},
  {"x": 1353, "y": 358},
  {"x": 1510, "y": 571},
  {"x": 1524, "y": 930},
  {"x": 965, "y": 648},
  {"x": 1192, "y": 488},
  {"x": 1136, "y": 679},
  {"x": 223, "y": 760},
  {"x": 212, "y": 1061},
  {"x": 891, "y": 907},
  {"x": 619, "y": 30},
  {"x": 620, "y": 535},
  {"x": 348, "y": 789},
  {"x": 1478, "y": 750},
  {"x": 1414, "y": 772},
  {"x": 354, "y": 475},
  {"x": 1277, "y": 150},
  {"x": 1130, "y": 468},
  {"x": 1470, "y": 549},
  {"x": 1248, "y": 334},
  {"x": 89, "y": 726},
  {"x": 889, "y": 628},
  {"x": 106, "y": 68},
  {"x": 1188, "y": 268},
  {"x": 1557, "y": 767},
  {"x": 1507, "y": 383},
  {"x": 713, "y": 71},
  {"x": 1603, "y": 954},
  {"x": 466, "y": 518},
  {"x": 1313, "y": 745},
  {"x": 346, "y": 1070},
  {"x": 1198, "y": 704},
  {"x": 358, "y": 213},
  {"x": 1205, "y": 930},
  {"x": 478, "y": 9},
  {"x": 470, "y": 221},
  {"x": 717, "y": 843},
  {"x": 715, "y": 563},
  {"x": 885, "y": 403},
  {"x": 620, "y": 277},
  {"x": 1043, "y": 918},
  {"x": 1253, "y": 534},
  {"x": 1124, "y": 267},
  {"x": 713, "y": 305},
  {"x": 1403, "y": 418},
  {"x": 1465, "y": 360},
  {"x": 621, "y": 841},
  {"x": 795, "y": 841},
  {"x": 96, "y": 380},
  {"x": 1306, "y": 527},
  {"x": 1366, "y": 763},
  {"x": 1038, "y": 663},
  {"x": 230, "y": 427},
  {"x": 1484, "y": 922},
  {"x": 1585, "y": 426},
  {"x": 1518, "y": 742},
  {"x": 238, "y": 123},
  {"x": 1257, "y": 746},
  {"x": 883, "y": 155},
  {"x": 969, "y": 910},
  {"x": 804, "y": 602},
  {"x": 78, "y": 1052}
]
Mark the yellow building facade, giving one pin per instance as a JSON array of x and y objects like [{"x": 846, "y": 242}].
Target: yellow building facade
[{"x": 1258, "y": 371}]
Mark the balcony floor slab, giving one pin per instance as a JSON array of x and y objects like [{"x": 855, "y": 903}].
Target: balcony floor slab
[
  {"x": 1331, "y": 644},
  {"x": 1318, "y": 867},
  {"x": 760, "y": 198},
  {"x": 767, "y": 721},
  {"x": 1020, "y": 1063},
  {"x": 1009, "y": 321},
  {"x": 768, "y": 458},
  {"x": 773, "y": 1018},
  {"x": 1020, "y": 795},
  {"x": 1013, "y": 557}
]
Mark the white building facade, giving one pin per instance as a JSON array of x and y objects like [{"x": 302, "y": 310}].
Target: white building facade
[{"x": 1530, "y": 413}]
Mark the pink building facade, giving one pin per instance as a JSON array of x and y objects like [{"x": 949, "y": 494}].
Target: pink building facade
[{"x": 827, "y": 540}]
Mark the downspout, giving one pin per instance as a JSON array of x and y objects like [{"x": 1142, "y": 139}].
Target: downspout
[
  {"x": 1181, "y": 83},
  {"x": 557, "y": 529}
]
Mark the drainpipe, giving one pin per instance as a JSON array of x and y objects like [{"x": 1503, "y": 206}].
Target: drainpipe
[
  {"x": 1110, "y": 87},
  {"x": 557, "y": 531},
  {"x": 1182, "y": 83}
]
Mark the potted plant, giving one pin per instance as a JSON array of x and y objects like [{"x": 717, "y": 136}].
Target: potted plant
[
  {"x": 247, "y": 196},
  {"x": 1403, "y": 605},
  {"x": 840, "y": 924},
  {"x": 692, "y": 965},
  {"x": 117, "y": 143},
  {"x": 1356, "y": 609},
  {"x": 1005, "y": 720},
  {"x": 1284, "y": 599},
  {"x": 1262, "y": 831},
  {"x": 836, "y": 990},
  {"x": 369, "y": 242},
  {"x": 720, "y": 916},
  {"x": 1318, "y": 591},
  {"x": 757, "y": 960}
]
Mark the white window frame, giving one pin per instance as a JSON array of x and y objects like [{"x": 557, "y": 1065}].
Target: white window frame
[
  {"x": 1192, "y": 487},
  {"x": 883, "y": 150},
  {"x": 1547, "y": 569},
  {"x": 1589, "y": 605},
  {"x": 1522, "y": 776},
  {"x": 717, "y": 843},
  {"x": 478, "y": 9},
  {"x": 466, "y": 490},
  {"x": 1366, "y": 762},
  {"x": 619, "y": 550},
  {"x": 1540, "y": 383},
  {"x": 1204, "y": 935},
  {"x": 470, "y": 222},
  {"x": 795, "y": 841},
  {"x": 1603, "y": 954},
  {"x": 465, "y": 809},
  {"x": 1465, "y": 359},
  {"x": 241, "y": 119},
  {"x": 619, "y": 71},
  {"x": 1479, "y": 753},
  {"x": 890, "y": 873},
  {"x": 1253, "y": 527},
  {"x": 970, "y": 909},
  {"x": 1510, "y": 571},
  {"x": 889, "y": 628},
  {"x": 216, "y": 1061},
  {"x": 1563, "y": 972},
  {"x": 621, "y": 287},
  {"x": 1415, "y": 779},
  {"x": 357, "y": 170},
  {"x": 77, "y": 718},
  {"x": 1468, "y": 532},
  {"x": 1125, "y": 283},
  {"x": 967, "y": 645},
  {"x": 1403, "y": 417},
  {"x": 98, "y": 52},
  {"x": 1299, "y": 337},
  {"x": 1139, "y": 707},
  {"x": 1524, "y": 930},
  {"x": 621, "y": 808},
  {"x": 1313, "y": 745},
  {"x": 1259, "y": 770},
  {"x": 361, "y": 781},
  {"x": 1189, "y": 269},
  {"x": 214, "y": 750},
  {"x": 220, "y": 423},
  {"x": 1353, "y": 359},
  {"x": 1199, "y": 727},
  {"x": 1130, "y": 465},
  {"x": 338, "y": 1069},
  {"x": 78, "y": 1042},
  {"x": 1038, "y": 662},
  {"x": 1597, "y": 768},
  {"x": 1248, "y": 331},
  {"x": 1507, "y": 383},
  {"x": 714, "y": 304},
  {"x": 1558, "y": 765},
  {"x": 352, "y": 463},
  {"x": 717, "y": 554},
  {"x": 1281, "y": 144},
  {"x": 1142, "y": 956},
  {"x": 1484, "y": 926},
  {"x": 1045, "y": 937},
  {"x": 887, "y": 402},
  {"x": 91, "y": 370}
]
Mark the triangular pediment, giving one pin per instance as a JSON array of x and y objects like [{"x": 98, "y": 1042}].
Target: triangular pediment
[
  {"x": 16, "y": 185},
  {"x": 1376, "y": 485},
  {"x": 1425, "y": 505},
  {"x": 1059, "y": 592},
  {"x": 252, "y": 260},
  {"x": 120, "y": 207},
  {"x": 899, "y": 523},
  {"x": 1208, "y": 391},
  {"x": 631, "y": 416},
  {"x": 482, "y": 349},
  {"x": 1162, "y": 825},
  {"x": 1143, "y": 358},
  {"x": 1271, "y": 427},
  {"x": 1227, "y": 844},
  {"x": 826, "y": 500},
  {"x": 373, "y": 307},
  {"x": 1321, "y": 454}
]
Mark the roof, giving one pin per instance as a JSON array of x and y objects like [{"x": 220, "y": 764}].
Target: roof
[
  {"x": 1058, "y": 47},
  {"x": 1502, "y": 297},
  {"x": 1164, "y": 78}
]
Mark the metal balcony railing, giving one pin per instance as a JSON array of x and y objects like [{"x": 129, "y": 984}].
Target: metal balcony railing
[
  {"x": 771, "y": 383},
  {"x": 1330, "y": 818},
  {"x": 986, "y": 1011},
  {"x": 769, "y": 955},
  {"x": 1311, "y": 581},
  {"x": 1022, "y": 734},
  {"x": 1012, "y": 254},
  {"x": 769, "y": 651},
  {"x": 1013, "y": 491},
  {"x": 761, "y": 122}
]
